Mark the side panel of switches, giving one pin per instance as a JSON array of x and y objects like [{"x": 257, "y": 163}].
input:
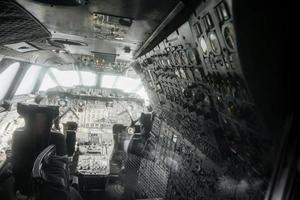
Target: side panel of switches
[{"x": 211, "y": 139}]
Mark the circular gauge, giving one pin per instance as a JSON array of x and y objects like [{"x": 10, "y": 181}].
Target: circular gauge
[
  {"x": 62, "y": 102},
  {"x": 2, "y": 155},
  {"x": 130, "y": 130},
  {"x": 214, "y": 42},
  {"x": 192, "y": 56},
  {"x": 203, "y": 45},
  {"x": 81, "y": 103},
  {"x": 184, "y": 58},
  {"x": 229, "y": 36}
]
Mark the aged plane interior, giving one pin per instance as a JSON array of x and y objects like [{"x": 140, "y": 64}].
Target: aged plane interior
[{"x": 146, "y": 100}]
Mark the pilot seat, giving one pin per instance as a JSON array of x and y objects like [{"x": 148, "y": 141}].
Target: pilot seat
[{"x": 30, "y": 141}]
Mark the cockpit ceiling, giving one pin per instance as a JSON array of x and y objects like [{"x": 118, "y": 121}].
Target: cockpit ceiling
[{"x": 107, "y": 26}]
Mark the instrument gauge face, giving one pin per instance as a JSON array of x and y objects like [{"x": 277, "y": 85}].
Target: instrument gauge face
[
  {"x": 214, "y": 42},
  {"x": 130, "y": 130},
  {"x": 81, "y": 104},
  {"x": 203, "y": 45},
  {"x": 229, "y": 36},
  {"x": 192, "y": 56}
]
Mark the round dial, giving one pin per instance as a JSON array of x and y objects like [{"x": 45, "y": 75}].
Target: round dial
[
  {"x": 81, "y": 103},
  {"x": 203, "y": 45},
  {"x": 214, "y": 42},
  {"x": 229, "y": 36},
  {"x": 192, "y": 56},
  {"x": 130, "y": 130}
]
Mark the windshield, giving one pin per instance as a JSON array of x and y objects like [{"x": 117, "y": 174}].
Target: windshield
[
  {"x": 29, "y": 80},
  {"x": 6, "y": 78},
  {"x": 55, "y": 77}
]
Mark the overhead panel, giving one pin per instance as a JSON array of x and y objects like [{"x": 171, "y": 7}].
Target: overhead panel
[
  {"x": 109, "y": 27},
  {"x": 18, "y": 25}
]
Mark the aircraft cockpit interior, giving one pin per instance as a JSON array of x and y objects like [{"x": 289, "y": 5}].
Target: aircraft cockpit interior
[{"x": 146, "y": 100}]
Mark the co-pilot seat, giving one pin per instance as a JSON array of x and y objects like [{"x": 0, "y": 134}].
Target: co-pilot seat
[
  {"x": 136, "y": 151},
  {"x": 31, "y": 140}
]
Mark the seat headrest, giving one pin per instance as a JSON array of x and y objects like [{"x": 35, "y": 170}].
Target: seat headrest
[
  {"x": 28, "y": 110},
  {"x": 72, "y": 126}
]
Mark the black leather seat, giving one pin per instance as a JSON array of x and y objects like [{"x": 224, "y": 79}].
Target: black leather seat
[
  {"x": 137, "y": 150},
  {"x": 29, "y": 142},
  {"x": 6, "y": 182}
]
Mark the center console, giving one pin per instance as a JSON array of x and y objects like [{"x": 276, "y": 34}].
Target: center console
[{"x": 94, "y": 156}]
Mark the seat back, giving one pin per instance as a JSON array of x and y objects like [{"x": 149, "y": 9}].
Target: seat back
[{"x": 28, "y": 142}]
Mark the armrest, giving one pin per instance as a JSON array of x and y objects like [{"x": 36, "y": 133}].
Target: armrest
[{"x": 37, "y": 166}]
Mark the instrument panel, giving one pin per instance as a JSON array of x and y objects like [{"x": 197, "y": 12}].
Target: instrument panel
[
  {"x": 94, "y": 116},
  {"x": 196, "y": 86},
  {"x": 95, "y": 119},
  {"x": 96, "y": 152}
]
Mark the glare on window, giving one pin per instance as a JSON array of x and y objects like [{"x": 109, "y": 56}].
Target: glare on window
[
  {"x": 65, "y": 78},
  {"x": 88, "y": 78},
  {"x": 47, "y": 83},
  {"x": 29, "y": 80},
  {"x": 142, "y": 93},
  {"x": 127, "y": 84},
  {"x": 6, "y": 78},
  {"x": 108, "y": 81}
]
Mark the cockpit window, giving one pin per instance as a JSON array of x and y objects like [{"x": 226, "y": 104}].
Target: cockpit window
[
  {"x": 6, "y": 78},
  {"x": 88, "y": 78},
  {"x": 108, "y": 81},
  {"x": 125, "y": 84},
  {"x": 55, "y": 77},
  {"x": 65, "y": 78},
  {"x": 47, "y": 83},
  {"x": 29, "y": 80},
  {"x": 142, "y": 93}
]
